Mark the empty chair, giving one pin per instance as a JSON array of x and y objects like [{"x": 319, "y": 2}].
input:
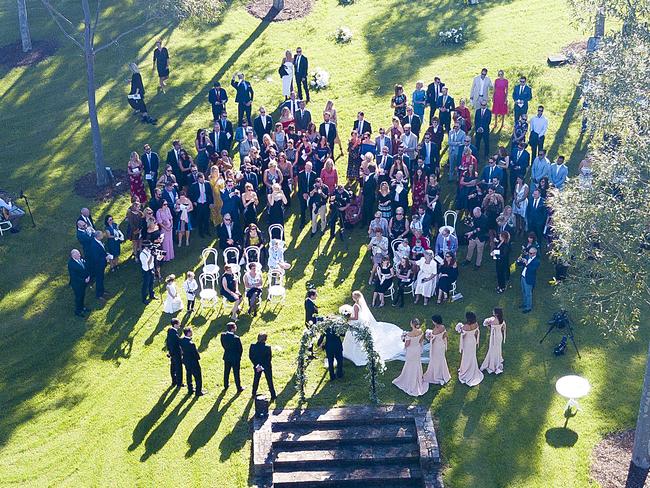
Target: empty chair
[
  {"x": 276, "y": 285},
  {"x": 5, "y": 225},
  {"x": 450, "y": 218},
  {"x": 395, "y": 244},
  {"x": 209, "y": 256},
  {"x": 276, "y": 231},
  {"x": 208, "y": 294}
]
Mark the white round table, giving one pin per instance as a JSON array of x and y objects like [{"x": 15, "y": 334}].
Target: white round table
[{"x": 572, "y": 387}]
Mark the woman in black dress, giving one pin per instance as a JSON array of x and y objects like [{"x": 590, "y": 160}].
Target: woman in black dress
[
  {"x": 161, "y": 63},
  {"x": 276, "y": 202},
  {"x": 383, "y": 280},
  {"x": 501, "y": 256},
  {"x": 448, "y": 274},
  {"x": 136, "y": 95}
]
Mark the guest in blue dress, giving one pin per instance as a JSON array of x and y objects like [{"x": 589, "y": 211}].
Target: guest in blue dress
[{"x": 419, "y": 99}]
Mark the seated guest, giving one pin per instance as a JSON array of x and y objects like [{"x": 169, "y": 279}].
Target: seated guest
[
  {"x": 446, "y": 242},
  {"x": 229, "y": 233},
  {"x": 383, "y": 279},
  {"x": 448, "y": 275},
  {"x": 253, "y": 287},
  {"x": 276, "y": 256},
  {"x": 398, "y": 226},
  {"x": 404, "y": 277},
  {"x": 378, "y": 248},
  {"x": 253, "y": 237},
  {"x": 229, "y": 290}
]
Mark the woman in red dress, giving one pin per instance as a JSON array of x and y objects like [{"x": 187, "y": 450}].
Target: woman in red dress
[
  {"x": 500, "y": 99},
  {"x": 463, "y": 111},
  {"x": 135, "y": 168},
  {"x": 419, "y": 189}
]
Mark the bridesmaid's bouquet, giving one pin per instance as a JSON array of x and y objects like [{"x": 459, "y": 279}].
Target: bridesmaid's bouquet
[
  {"x": 459, "y": 327},
  {"x": 404, "y": 335},
  {"x": 345, "y": 310}
]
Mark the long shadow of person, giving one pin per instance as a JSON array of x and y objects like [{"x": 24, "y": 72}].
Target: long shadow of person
[
  {"x": 239, "y": 434},
  {"x": 206, "y": 428},
  {"x": 146, "y": 423},
  {"x": 165, "y": 430}
]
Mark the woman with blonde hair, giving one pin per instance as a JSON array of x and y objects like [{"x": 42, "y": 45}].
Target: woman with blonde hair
[
  {"x": 286, "y": 73},
  {"x": 329, "y": 107},
  {"x": 218, "y": 184},
  {"x": 135, "y": 168}
]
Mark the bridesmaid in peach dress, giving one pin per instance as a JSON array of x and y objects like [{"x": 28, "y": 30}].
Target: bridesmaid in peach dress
[
  {"x": 411, "y": 380},
  {"x": 469, "y": 373},
  {"x": 438, "y": 371},
  {"x": 493, "y": 362}
]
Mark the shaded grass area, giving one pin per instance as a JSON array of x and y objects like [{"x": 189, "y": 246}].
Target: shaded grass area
[{"x": 87, "y": 403}]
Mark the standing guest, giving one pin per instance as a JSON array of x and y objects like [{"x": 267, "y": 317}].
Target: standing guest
[
  {"x": 329, "y": 108},
  {"x": 84, "y": 216},
  {"x": 404, "y": 278},
  {"x": 227, "y": 128},
  {"x": 253, "y": 287},
  {"x": 191, "y": 360},
  {"x": 446, "y": 106},
  {"x": 436, "y": 133},
  {"x": 183, "y": 209},
  {"x": 339, "y": 202},
  {"x": 378, "y": 223},
  {"x": 434, "y": 90},
  {"x": 413, "y": 120},
  {"x": 519, "y": 161},
  {"x": 243, "y": 98},
  {"x": 204, "y": 148},
  {"x": 378, "y": 247},
  {"x": 250, "y": 202},
  {"x": 150, "y": 162},
  {"x": 398, "y": 102},
  {"x": 175, "y": 353},
  {"x": 361, "y": 125},
  {"x": 538, "y": 128},
  {"x": 97, "y": 259},
  {"x": 148, "y": 265},
  {"x": 262, "y": 125},
  {"x": 311, "y": 309},
  {"x": 79, "y": 279},
  {"x": 260, "y": 355},
  {"x": 306, "y": 181},
  {"x": 500, "y": 99},
  {"x": 437, "y": 371},
  {"x": 501, "y": 256},
  {"x": 134, "y": 219},
  {"x": 429, "y": 153},
  {"x": 167, "y": 178},
  {"x": 446, "y": 242},
  {"x": 398, "y": 226},
  {"x": 218, "y": 98},
  {"x": 493, "y": 362},
  {"x": 293, "y": 104},
  {"x": 528, "y": 278},
  {"x": 492, "y": 207},
  {"x": 559, "y": 173},
  {"x": 425, "y": 284},
  {"x": 522, "y": 94},
  {"x": 279, "y": 137},
  {"x": 190, "y": 287},
  {"x": 384, "y": 200},
  {"x": 520, "y": 131},
  {"x": 201, "y": 196},
  {"x": 476, "y": 236},
  {"x": 229, "y": 290},
  {"x": 247, "y": 144},
  {"x": 232, "y": 352},
  {"x": 384, "y": 275},
  {"x": 396, "y": 131},
  {"x": 411, "y": 380},
  {"x": 302, "y": 117},
  {"x": 464, "y": 117},
  {"x": 329, "y": 175},
  {"x": 301, "y": 64},
  {"x": 456, "y": 141},
  {"x": 333, "y": 350},
  {"x": 383, "y": 141},
  {"x": 161, "y": 63},
  {"x": 173, "y": 302},
  {"x": 419, "y": 99},
  {"x": 469, "y": 372},
  {"x": 114, "y": 241},
  {"x": 490, "y": 172},
  {"x": 480, "y": 90},
  {"x": 285, "y": 166},
  {"x": 328, "y": 130},
  {"x": 135, "y": 169},
  {"x": 166, "y": 225},
  {"x": 482, "y": 119},
  {"x": 276, "y": 201},
  {"x": 286, "y": 119},
  {"x": 354, "y": 157},
  {"x": 369, "y": 193},
  {"x": 85, "y": 236},
  {"x": 409, "y": 141},
  {"x": 317, "y": 203},
  {"x": 448, "y": 274},
  {"x": 541, "y": 168},
  {"x": 136, "y": 95},
  {"x": 536, "y": 215},
  {"x": 229, "y": 233}
]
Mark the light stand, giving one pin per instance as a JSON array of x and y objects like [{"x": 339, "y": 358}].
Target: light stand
[{"x": 24, "y": 197}]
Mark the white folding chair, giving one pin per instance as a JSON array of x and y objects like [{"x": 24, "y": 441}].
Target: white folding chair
[
  {"x": 451, "y": 215},
  {"x": 395, "y": 244},
  {"x": 209, "y": 256},
  {"x": 231, "y": 257},
  {"x": 276, "y": 231},
  {"x": 5, "y": 225},
  {"x": 252, "y": 255},
  {"x": 276, "y": 286},
  {"x": 208, "y": 293}
]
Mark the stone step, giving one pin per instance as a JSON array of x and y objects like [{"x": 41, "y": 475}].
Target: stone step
[
  {"x": 346, "y": 456},
  {"x": 338, "y": 422},
  {"x": 386, "y": 476},
  {"x": 387, "y": 412},
  {"x": 307, "y": 437}
]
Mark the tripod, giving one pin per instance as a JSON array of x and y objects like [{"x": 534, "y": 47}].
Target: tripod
[
  {"x": 24, "y": 197},
  {"x": 554, "y": 324}
]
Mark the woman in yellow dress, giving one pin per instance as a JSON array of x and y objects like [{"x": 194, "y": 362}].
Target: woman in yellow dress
[{"x": 217, "y": 183}]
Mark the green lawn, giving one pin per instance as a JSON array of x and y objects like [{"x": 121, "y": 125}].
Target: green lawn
[{"x": 85, "y": 403}]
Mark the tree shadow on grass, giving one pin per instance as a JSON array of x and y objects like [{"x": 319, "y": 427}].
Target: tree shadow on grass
[{"x": 165, "y": 430}]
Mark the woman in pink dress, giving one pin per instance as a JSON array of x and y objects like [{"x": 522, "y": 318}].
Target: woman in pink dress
[
  {"x": 438, "y": 371},
  {"x": 500, "y": 99},
  {"x": 135, "y": 169},
  {"x": 329, "y": 175},
  {"x": 166, "y": 224},
  {"x": 411, "y": 381},
  {"x": 493, "y": 362},
  {"x": 469, "y": 372}
]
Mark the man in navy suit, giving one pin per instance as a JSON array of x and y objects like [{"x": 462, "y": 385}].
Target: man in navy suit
[
  {"x": 361, "y": 125},
  {"x": 219, "y": 139},
  {"x": 293, "y": 104},
  {"x": 97, "y": 258},
  {"x": 518, "y": 165},
  {"x": 414, "y": 120},
  {"x": 217, "y": 98},
  {"x": 536, "y": 215},
  {"x": 446, "y": 106},
  {"x": 306, "y": 180},
  {"x": 263, "y": 124},
  {"x": 151, "y": 162},
  {"x": 528, "y": 278},
  {"x": 434, "y": 90},
  {"x": 301, "y": 64},
  {"x": 244, "y": 97},
  {"x": 226, "y": 126},
  {"x": 79, "y": 279},
  {"x": 522, "y": 94},
  {"x": 489, "y": 172},
  {"x": 381, "y": 141},
  {"x": 200, "y": 194},
  {"x": 482, "y": 119},
  {"x": 302, "y": 118},
  {"x": 384, "y": 164},
  {"x": 328, "y": 129}
]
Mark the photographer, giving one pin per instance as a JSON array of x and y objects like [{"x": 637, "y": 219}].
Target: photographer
[
  {"x": 339, "y": 202},
  {"x": 476, "y": 237},
  {"x": 318, "y": 204},
  {"x": 148, "y": 264}
]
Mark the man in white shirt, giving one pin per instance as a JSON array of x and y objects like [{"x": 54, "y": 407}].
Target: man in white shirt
[
  {"x": 147, "y": 263},
  {"x": 409, "y": 141},
  {"x": 480, "y": 88},
  {"x": 538, "y": 128}
]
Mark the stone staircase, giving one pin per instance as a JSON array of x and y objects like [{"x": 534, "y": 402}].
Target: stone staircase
[{"x": 389, "y": 446}]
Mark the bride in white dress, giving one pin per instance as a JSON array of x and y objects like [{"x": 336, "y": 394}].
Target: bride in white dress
[
  {"x": 287, "y": 78},
  {"x": 387, "y": 337}
]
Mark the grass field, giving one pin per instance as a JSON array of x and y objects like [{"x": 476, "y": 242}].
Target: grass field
[{"x": 86, "y": 403}]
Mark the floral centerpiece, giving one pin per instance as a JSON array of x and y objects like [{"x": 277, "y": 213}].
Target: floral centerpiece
[
  {"x": 343, "y": 35},
  {"x": 320, "y": 79},
  {"x": 455, "y": 35}
]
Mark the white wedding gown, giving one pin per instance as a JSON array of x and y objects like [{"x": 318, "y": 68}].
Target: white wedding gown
[{"x": 387, "y": 339}]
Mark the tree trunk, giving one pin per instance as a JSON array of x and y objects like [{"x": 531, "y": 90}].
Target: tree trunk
[
  {"x": 25, "y": 36},
  {"x": 640, "y": 464},
  {"x": 89, "y": 55},
  {"x": 278, "y": 4}
]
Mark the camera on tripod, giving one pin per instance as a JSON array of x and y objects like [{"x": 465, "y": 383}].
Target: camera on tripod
[{"x": 561, "y": 320}]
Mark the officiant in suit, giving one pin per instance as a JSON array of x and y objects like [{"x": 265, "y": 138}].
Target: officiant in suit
[
  {"x": 301, "y": 64},
  {"x": 79, "y": 279},
  {"x": 217, "y": 98},
  {"x": 260, "y": 355},
  {"x": 232, "y": 352},
  {"x": 334, "y": 351},
  {"x": 244, "y": 97}
]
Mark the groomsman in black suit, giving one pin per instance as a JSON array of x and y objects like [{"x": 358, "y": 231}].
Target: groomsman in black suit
[
  {"x": 369, "y": 192},
  {"x": 482, "y": 119},
  {"x": 328, "y": 129},
  {"x": 434, "y": 90},
  {"x": 151, "y": 162},
  {"x": 97, "y": 260},
  {"x": 232, "y": 351},
  {"x": 200, "y": 194},
  {"x": 263, "y": 124},
  {"x": 306, "y": 180},
  {"x": 217, "y": 98},
  {"x": 334, "y": 351},
  {"x": 446, "y": 106},
  {"x": 244, "y": 97},
  {"x": 174, "y": 353},
  {"x": 361, "y": 125},
  {"x": 311, "y": 309},
  {"x": 301, "y": 64},
  {"x": 260, "y": 355},
  {"x": 79, "y": 279},
  {"x": 302, "y": 118},
  {"x": 191, "y": 358}
]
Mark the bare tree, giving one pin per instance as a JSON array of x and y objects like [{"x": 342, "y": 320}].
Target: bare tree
[{"x": 25, "y": 36}]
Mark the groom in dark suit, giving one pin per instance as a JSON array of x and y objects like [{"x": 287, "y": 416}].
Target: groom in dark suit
[
  {"x": 301, "y": 64},
  {"x": 334, "y": 351},
  {"x": 232, "y": 351}
]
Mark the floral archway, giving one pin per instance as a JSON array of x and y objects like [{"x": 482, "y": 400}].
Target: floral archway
[{"x": 340, "y": 323}]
